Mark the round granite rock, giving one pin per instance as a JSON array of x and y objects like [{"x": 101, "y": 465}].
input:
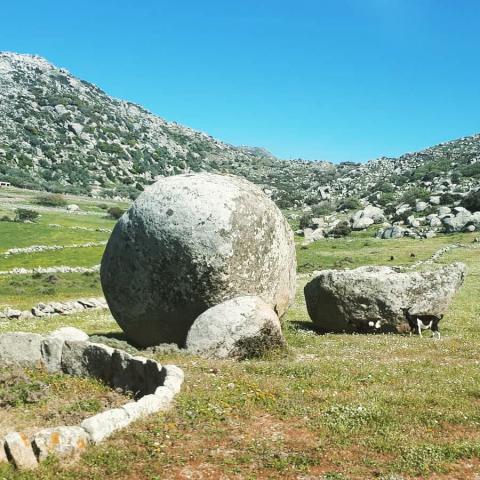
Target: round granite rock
[
  {"x": 191, "y": 242},
  {"x": 243, "y": 327}
]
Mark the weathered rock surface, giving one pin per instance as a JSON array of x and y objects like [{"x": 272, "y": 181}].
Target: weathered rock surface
[
  {"x": 21, "y": 349},
  {"x": 60, "y": 441},
  {"x": 19, "y": 449},
  {"x": 239, "y": 328},
  {"x": 70, "y": 333},
  {"x": 366, "y": 217},
  {"x": 103, "y": 424},
  {"x": 348, "y": 300},
  {"x": 391, "y": 232},
  {"x": 191, "y": 242}
]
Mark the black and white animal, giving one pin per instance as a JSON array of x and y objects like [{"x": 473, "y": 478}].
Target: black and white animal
[{"x": 423, "y": 322}]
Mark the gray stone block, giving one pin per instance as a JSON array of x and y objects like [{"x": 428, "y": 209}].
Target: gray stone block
[
  {"x": 135, "y": 374},
  {"x": 19, "y": 450},
  {"x": 87, "y": 359},
  {"x": 51, "y": 351},
  {"x": 60, "y": 441},
  {"x": 102, "y": 425},
  {"x": 146, "y": 406},
  {"x": 174, "y": 378},
  {"x": 70, "y": 333},
  {"x": 21, "y": 349}
]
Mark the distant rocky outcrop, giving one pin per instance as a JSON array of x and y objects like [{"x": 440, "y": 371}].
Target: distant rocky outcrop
[
  {"x": 191, "y": 242},
  {"x": 368, "y": 299}
]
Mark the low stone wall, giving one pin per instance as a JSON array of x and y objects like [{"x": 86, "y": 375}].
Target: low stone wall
[
  {"x": 78, "y": 227},
  {"x": 60, "y": 269},
  {"x": 47, "y": 248},
  {"x": 68, "y": 351},
  {"x": 55, "y": 308}
]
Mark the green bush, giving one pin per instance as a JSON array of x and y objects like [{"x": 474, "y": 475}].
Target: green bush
[
  {"x": 24, "y": 215},
  {"x": 350, "y": 203},
  {"x": 115, "y": 212},
  {"x": 386, "y": 198},
  {"x": 472, "y": 201},
  {"x": 305, "y": 220},
  {"x": 323, "y": 208},
  {"x": 342, "y": 229},
  {"x": 54, "y": 200},
  {"x": 413, "y": 194},
  {"x": 449, "y": 198}
]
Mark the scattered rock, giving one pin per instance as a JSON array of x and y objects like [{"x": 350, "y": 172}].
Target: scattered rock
[
  {"x": 362, "y": 223},
  {"x": 392, "y": 232}
]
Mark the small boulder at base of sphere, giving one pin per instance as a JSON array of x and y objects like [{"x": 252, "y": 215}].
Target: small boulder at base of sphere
[
  {"x": 353, "y": 300},
  {"x": 190, "y": 242},
  {"x": 243, "y": 327}
]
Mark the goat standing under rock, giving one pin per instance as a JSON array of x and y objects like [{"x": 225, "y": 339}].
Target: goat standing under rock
[{"x": 423, "y": 322}]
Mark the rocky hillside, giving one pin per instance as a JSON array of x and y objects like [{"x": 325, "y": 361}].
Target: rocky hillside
[
  {"x": 60, "y": 133},
  {"x": 452, "y": 167}
]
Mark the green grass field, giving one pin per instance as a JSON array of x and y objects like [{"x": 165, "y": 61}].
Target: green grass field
[{"x": 332, "y": 407}]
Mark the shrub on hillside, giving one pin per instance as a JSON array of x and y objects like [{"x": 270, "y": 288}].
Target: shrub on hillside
[
  {"x": 350, "y": 203},
  {"x": 24, "y": 215},
  {"x": 5, "y": 218},
  {"x": 472, "y": 201},
  {"x": 323, "y": 208},
  {"x": 449, "y": 198},
  {"x": 413, "y": 194},
  {"x": 115, "y": 212},
  {"x": 53, "y": 200},
  {"x": 305, "y": 220},
  {"x": 386, "y": 198},
  {"x": 342, "y": 229}
]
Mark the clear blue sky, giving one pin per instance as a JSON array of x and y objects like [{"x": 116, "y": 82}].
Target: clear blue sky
[{"x": 318, "y": 79}]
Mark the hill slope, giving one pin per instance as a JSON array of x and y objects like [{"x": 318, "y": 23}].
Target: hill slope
[{"x": 64, "y": 134}]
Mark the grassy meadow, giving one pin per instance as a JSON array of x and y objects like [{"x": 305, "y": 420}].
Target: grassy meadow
[{"x": 331, "y": 407}]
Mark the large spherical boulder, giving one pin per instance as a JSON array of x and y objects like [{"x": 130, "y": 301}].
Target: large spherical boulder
[{"x": 191, "y": 242}]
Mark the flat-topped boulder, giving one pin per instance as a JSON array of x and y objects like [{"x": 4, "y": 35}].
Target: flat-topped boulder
[
  {"x": 352, "y": 300},
  {"x": 190, "y": 242}
]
